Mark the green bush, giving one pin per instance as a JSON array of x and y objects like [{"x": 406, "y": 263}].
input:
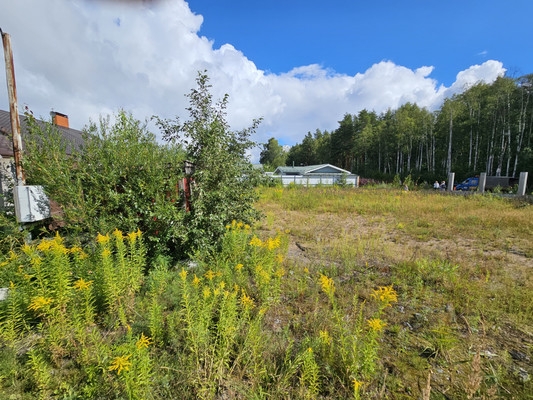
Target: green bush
[
  {"x": 224, "y": 179},
  {"x": 120, "y": 179}
]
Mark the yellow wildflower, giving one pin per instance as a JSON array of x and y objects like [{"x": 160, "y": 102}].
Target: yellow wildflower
[
  {"x": 102, "y": 239},
  {"x": 246, "y": 300},
  {"x": 132, "y": 236},
  {"x": 143, "y": 342},
  {"x": 106, "y": 253},
  {"x": 57, "y": 246},
  {"x": 44, "y": 245},
  {"x": 183, "y": 274},
  {"x": 325, "y": 337},
  {"x": 279, "y": 258},
  {"x": 238, "y": 267},
  {"x": 210, "y": 275},
  {"x": 357, "y": 385},
  {"x": 256, "y": 242},
  {"x": 386, "y": 295},
  {"x": 82, "y": 284},
  {"x": 207, "y": 292},
  {"x": 273, "y": 243},
  {"x": 280, "y": 272},
  {"x": 328, "y": 286},
  {"x": 196, "y": 281},
  {"x": 73, "y": 249},
  {"x": 117, "y": 233},
  {"x": 376, "y": 324},
  {"x": 120, "y": 363},
  {"x": 39, "y": 302}
]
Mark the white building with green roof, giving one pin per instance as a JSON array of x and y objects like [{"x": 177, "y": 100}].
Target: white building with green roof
[{"x": 313, "y": 175}]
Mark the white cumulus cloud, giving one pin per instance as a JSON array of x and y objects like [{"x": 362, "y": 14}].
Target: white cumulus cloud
[{"x": 86, "y": 59}]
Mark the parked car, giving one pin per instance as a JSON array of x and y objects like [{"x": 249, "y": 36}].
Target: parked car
[
  {"x": 505, "y": 183},
  {"x": 468, "y": 184}
]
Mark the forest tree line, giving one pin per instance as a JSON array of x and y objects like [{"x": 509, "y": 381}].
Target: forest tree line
[{"x": 486, "y": 128}]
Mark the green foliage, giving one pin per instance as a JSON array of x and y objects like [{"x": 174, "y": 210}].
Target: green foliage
[
  {"x": 60, "y": 300},
  {"x": 397, "y": 181},
  {"x": 86, "y": 312},
  {"x": 487, "y": 128},
  {"x": 408, "y": 182},
  {"x": 272, "y": 155},
  {"x": 121, "y": 178},
  {"x": 314, "y": 149},
  {"x": 11, "y": 236},
  {"x": 224, "y": 179}
]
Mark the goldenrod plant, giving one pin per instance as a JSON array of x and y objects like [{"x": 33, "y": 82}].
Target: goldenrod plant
[{"x": 52, "y": 295}]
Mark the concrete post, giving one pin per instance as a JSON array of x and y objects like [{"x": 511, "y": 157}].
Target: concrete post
[
  {"x": 451, "y": 180},
  {"x": 482, "y": 182},
  {"x": 522, "y": 184}
]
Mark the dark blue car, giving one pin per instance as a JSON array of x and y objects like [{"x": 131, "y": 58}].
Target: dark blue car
[{"x": 468, "y": 184}]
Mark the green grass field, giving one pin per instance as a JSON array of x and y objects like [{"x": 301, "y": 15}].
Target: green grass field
[
  {"x": 462, "y": 267},
  {"x": 336, "y": 293}
]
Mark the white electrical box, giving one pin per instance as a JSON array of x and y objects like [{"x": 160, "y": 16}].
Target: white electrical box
[{"x": 31, "y": 203}]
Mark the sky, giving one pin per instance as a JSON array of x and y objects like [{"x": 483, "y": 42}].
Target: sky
[{"x": 299, "y": 65}]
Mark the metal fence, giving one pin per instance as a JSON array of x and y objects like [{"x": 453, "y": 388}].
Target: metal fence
[{"x": 326, "y": 180}]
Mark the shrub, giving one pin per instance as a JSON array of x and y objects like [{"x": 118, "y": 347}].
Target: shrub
[
  {"x": 120, "y": 179},
  {"x": 224, "y": 178}
]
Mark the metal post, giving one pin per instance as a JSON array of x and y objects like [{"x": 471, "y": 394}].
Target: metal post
[{"x": 13, "y": 108}]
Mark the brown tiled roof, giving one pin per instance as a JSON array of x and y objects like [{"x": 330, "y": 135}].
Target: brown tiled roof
[{"x": 73, "y": 137}]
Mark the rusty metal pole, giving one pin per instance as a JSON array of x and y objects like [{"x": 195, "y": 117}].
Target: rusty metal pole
[{"x": 13, "y": 108}]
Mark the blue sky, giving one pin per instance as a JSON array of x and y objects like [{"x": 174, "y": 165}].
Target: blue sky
[
  {"x": 299, "y": 65},
  {"x": 349, "y": 36}
]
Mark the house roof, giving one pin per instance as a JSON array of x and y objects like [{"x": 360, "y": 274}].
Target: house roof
[
  {"x": 311, "y": 169},
  {"x": 73, "y": 137}
]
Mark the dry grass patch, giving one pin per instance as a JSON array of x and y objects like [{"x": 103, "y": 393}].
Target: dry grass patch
[{"x": 462, "y": 267}]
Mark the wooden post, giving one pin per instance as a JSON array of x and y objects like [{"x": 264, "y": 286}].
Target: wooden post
[
  {"x": 188, "y": 169},
  {"x": 13, "y": 108}
]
